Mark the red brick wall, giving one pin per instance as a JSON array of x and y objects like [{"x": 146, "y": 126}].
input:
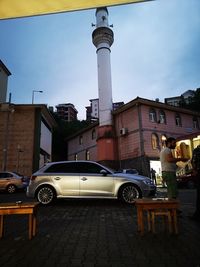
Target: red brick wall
[{"x": 20, "y": 137}]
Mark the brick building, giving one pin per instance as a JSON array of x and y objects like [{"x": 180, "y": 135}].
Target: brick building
[
  {"x": 141, "y": 127},
  {"x": 4, "y": 73},
  {"x": 25, "y": 137},
  {"x": 67, "y": 112},
  {"x": 92, "y": 111},
  {"x": 176, "y": 100}
]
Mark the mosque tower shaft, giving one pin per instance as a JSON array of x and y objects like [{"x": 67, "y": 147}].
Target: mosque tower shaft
[{"x": 103, "y": 38}]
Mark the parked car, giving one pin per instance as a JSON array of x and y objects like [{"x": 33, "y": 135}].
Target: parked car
[
  {"x": 26, "y": 180},
  {"x": 12, "y": 181},
  {"x": 131, "y": 171},
  {"x": 86, "y": 179}
]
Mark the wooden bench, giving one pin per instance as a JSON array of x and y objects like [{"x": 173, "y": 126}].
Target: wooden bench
[
  {"x": 157, "y": 206},
  {"x": 19, "y": 208},
  {"x": 164, "y": 213}
]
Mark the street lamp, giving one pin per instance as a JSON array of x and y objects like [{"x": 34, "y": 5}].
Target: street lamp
[
  {"x": 33, "y": 92},
  {"x": 19, "y": 150},
  {"x": 9, "y": 109}
]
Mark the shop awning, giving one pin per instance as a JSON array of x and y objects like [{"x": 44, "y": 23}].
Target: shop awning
[{"x": 23, "y": 8}]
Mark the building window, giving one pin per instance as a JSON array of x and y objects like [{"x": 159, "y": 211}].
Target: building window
[
  {"x": 93, "y": 134},
  {"x": 152, "y": 115},
  {"x": 163, "y": 140},
  {"x": 195, "y": 123},
  {"x": 154, "y": 141},
  {"x": 162, "y": 117},
  {"x": 87, "y": 155},
  {"x": 80, "y": 140},
  {"x": 178, "y": 120}
]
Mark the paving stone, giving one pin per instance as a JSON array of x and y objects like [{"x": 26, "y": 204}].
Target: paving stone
[{"x": 96, "y": 233}]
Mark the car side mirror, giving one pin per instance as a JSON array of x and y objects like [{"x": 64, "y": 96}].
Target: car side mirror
[{"x": 103, "y": 172}]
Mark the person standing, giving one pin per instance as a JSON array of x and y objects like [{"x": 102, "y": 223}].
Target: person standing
[
  {"x": 153, "y": 176},
  {"x": 196, "y": 172},
  {"x": 168, "y": 166}
]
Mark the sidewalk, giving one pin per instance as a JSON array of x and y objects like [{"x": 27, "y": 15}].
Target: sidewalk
[{"x": 98, "y": 233}]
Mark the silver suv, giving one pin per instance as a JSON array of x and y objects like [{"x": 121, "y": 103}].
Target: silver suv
[{"x": 86, "y": 179}]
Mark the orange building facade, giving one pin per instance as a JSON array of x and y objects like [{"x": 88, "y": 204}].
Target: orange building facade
[{"x": 140, "y": 129}]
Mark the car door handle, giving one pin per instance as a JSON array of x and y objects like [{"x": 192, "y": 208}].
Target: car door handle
[
  {"x": 83, "y": 179},
  {"x": 57, "y": 178}
]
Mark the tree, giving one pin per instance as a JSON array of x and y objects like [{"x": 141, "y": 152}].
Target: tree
[
  {"x": 64, "y": 130},
  {"x": 194, "y": 103}
]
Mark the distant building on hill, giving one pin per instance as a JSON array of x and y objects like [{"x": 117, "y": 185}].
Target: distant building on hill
[
  {"x": 4, "y": 73},
  {"x": 67, "y": 112},
  {"x": 92, "y": 111},
  {"x": 176, "y": 100}
]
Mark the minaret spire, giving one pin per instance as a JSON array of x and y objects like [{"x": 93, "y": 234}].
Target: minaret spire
[{"x": 103, "y": 38}]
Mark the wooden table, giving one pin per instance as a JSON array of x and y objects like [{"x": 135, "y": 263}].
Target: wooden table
[
  {"x": 19, "y": 208},
  {"x": 156, "y": 204}
]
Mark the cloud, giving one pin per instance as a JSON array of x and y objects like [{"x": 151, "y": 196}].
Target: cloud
[
  {"x": 152, "y": 51},
  {"x": 155, "y": 53}
]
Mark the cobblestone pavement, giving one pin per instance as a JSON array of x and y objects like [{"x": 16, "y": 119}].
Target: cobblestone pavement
[{"x": 98, "y": 233}]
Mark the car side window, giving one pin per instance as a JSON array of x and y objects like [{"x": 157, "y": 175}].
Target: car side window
[
  {"x": 88, "y": 167},
  {"x": 69, "y": 167},
  {"x": 5, "y": 175},
  {"x": 74, "y": 167}
]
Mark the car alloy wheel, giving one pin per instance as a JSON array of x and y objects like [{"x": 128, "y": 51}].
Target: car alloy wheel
[
  {"x": 129, "y": 193},
  {"x": 45, "y": 195},
  {"x": 11, "y": 189}
]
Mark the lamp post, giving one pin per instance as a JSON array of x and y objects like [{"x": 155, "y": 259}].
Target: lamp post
[
  {"x": 9, "y": 109},
  {"x": 33, "y": 92},
  {"x": 19, "y": 150}
]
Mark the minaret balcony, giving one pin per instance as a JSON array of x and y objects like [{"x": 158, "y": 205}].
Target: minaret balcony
[{"x": 102, "y": 35}]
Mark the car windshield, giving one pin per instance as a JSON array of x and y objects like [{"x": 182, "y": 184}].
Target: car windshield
[
  {"x": 18, "y": 173},
  {"x": 129, "y": 171},
  {"x": 111, "y": 170}
]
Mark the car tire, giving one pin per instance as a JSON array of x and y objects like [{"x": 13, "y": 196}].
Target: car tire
[
  {"x": 46, "y": 195},
  {"x": 11, "y": 188},
  {"x": 128, "y": 193}
]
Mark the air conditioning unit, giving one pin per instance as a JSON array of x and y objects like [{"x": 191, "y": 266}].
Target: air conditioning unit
[{"x": 123, "y": 131}]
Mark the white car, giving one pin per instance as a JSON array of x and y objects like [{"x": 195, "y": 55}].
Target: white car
[
  {"x": 86, "y": 179},
  {"x": 132, "y": 171}
]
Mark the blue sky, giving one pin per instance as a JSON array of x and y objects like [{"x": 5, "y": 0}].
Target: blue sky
[{"x": 155, "y": 54}]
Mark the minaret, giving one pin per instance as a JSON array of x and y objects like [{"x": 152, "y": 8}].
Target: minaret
[{"x": 103, "y": 38}]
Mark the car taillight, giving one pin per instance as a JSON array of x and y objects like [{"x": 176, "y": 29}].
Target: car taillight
[{"x": 33, "y": 177}]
